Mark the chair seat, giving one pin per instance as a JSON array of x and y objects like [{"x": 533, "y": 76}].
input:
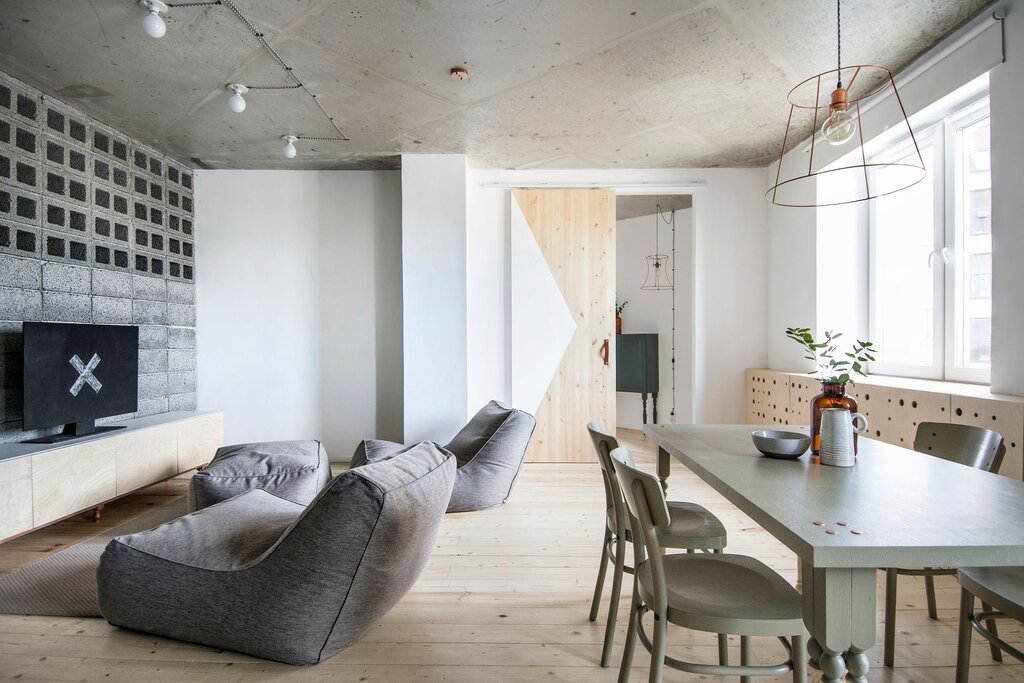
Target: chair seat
[
  {"x": 691, "y": 526},
  {"x": 726, "y": 594},
  {"x": 1001, "y": 587}
]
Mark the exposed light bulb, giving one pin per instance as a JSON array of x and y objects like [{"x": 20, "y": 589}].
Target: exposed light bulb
[
  {"x": 840, "y": 125},
  {"x": 236, "y": 102},
  {"x": 154, "y": 25},
  {"x": 289, "y": 150}
]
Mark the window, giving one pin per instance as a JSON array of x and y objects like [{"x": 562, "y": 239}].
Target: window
[{"x": 930, "y": 263}]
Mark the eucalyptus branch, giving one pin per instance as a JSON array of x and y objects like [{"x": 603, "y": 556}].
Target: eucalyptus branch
[{"x": 830, "y": 369}]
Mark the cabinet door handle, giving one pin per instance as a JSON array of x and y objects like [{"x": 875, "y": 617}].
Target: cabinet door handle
[{"x": 604, "y": 352}]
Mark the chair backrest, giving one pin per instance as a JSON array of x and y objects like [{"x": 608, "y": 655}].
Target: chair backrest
[
  {"x": 604, "y": 444},
  {"x": 363, "y": 542},
  {"x": 975, "y": 447},
  {"x": 645, "y": 500}
]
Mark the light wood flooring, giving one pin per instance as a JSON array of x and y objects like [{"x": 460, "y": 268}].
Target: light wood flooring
[{"x": 505, "y": 598}]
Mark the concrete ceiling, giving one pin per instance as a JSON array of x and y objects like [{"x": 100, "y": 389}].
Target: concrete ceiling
[
  {"x": 633, "y": 206},
  {"x": 553, "y": 83}
]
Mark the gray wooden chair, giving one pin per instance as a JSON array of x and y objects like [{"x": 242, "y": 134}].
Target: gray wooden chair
[
  {"x": 690, "y": 527},
  {"x": 975, "y": 447},
  {"x": 716, "y": 593},
  {"x": 1003, "y": 589}
]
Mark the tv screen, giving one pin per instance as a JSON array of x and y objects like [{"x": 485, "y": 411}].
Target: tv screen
[{"x": 76, "y": 373}]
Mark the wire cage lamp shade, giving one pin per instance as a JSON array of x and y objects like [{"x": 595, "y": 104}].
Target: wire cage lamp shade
[
  {"x": 855, "y": 177},
  {"x": 657, "y": 278},
  {"x": 657, "y": 273}
]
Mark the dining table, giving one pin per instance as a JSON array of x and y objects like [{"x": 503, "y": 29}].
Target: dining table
[{"x": 894, "y": 507}]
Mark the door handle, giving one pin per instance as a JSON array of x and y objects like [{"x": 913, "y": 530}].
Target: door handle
[{"x": 604, "y": 352}]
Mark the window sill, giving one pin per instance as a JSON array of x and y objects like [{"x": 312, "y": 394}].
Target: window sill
[{"x": 934, "y": 386}]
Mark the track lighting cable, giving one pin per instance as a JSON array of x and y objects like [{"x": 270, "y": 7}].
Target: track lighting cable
[{"x": 261, "y": 38}]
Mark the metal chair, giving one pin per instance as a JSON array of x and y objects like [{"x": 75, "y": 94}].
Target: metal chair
[
  {"x": 717, "y": 593},
  {"x": 975, "y": 447},
  {"x": 690, "y": 527},
  {"x": 1001, "y": 587}
]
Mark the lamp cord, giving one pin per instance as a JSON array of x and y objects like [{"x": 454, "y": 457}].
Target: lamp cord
[
  {"x": 672, "y": 221},
  {"x": 839, "y": 46}
]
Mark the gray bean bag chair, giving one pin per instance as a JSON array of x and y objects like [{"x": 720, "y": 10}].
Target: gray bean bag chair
[
  {"x": 266, "y": 577},
  {"x": 489, "y": 451},
  {"x": 293, "y": 470}
]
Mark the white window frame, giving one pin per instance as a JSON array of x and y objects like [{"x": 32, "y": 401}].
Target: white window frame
[
  {"x": 945, "y": 259},
  {"x": 957, "y": 270}
]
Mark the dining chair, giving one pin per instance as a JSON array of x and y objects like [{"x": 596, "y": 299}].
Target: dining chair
[
  {"x": 715, "y": 593},
  {"x": 690, "y": 527},
  {"x": 975, "y": 447},
  {"x": 1003, "y": 589}
]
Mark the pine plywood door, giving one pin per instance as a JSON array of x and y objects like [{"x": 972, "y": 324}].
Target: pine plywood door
[{"x": 563, "y": 317}]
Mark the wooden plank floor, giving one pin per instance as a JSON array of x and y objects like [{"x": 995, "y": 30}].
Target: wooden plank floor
[{"x": 505, "y": 597}]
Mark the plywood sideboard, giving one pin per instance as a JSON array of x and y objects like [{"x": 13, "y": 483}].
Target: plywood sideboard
[
  {"x": 894, "y": 407},
  {"x": 43, "y": 483}
]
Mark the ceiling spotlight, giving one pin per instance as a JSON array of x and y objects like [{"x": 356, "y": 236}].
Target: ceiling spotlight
[
  {"x": 236, "y": 102},
  {"x": 289, "y": 150},
  {"x": 153, "y": 23}
]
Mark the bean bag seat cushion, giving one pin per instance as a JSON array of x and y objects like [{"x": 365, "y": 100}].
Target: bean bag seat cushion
[
  {"x": 267, "y": 577},
  {"x": 292, "y": 470},
  {"x": 489, "y": 452}
]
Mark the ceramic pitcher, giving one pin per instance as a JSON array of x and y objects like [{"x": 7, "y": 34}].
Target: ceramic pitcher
[{"x": 837, "y": 428}]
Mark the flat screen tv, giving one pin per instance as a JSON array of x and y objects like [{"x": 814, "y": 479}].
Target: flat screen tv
[{"x": 74, "y": 374}]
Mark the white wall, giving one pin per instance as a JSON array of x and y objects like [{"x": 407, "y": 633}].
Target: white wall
[
  {"x": 488, "y": 272},
  {"x": 1006, "y": 83},
  {"x": 792, "y": 285},
  {"x": 299, "y": 304},
  {"x": 435, "y": 270},
  {"x": 651, "y": 311}
]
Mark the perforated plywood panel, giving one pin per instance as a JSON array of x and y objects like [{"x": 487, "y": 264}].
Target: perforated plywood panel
[
  {"x": 907, "y": 409},
  {"x": 1005, "y": 417},
  {"x": 767, "y": 397},
  {"x": 801, "y": 390},
  {"x": 876, "y": 404}
]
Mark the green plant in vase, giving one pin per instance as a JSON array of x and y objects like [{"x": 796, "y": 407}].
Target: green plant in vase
[
  {"x": 618, "y": 316},
  {"x": 834, "y": 371}
]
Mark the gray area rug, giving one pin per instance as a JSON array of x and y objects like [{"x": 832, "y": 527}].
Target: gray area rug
[{"x": 64, "y": 584}]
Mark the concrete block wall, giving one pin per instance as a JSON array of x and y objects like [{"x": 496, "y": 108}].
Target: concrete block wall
[{"x": 95, "y": 227}]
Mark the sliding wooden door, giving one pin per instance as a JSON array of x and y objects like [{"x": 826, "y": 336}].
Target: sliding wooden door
[{"x": 563, "y": 317}]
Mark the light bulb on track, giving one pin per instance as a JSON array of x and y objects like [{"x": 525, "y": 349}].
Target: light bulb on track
[
  {"x": 289, "y": 150},
  {"x": 153, "y": 23},
  {"x": 236, "y": 102}
]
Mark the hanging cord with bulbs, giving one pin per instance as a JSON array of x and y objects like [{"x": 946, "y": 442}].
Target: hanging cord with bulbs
[
  {"x": 672, "y": 222},
  {"x": 157, "y": 29}
]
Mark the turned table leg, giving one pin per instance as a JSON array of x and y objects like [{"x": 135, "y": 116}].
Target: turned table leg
[
  {"x": 839, "y": 611},
  {"x": 664, "y": 467}
]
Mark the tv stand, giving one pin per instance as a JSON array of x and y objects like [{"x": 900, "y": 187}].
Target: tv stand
[
  {"x": 75, "y": 430},
  {"x": 44, "y": 483}
]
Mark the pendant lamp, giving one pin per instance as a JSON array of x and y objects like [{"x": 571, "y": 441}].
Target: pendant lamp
[
  {"x": 657, "y": 264},
  {"x": 837, "y": 121}
]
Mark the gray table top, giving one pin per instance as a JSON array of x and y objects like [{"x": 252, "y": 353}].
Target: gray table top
[{"x": 911, "y": 509}]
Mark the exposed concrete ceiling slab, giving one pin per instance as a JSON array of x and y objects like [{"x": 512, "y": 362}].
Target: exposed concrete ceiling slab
[
  {"x": 553, "y": 83},
  {"x": 636, "y": 205}
]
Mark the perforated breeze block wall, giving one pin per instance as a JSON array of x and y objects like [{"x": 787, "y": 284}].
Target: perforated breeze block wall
[
  {"x": 782, "y": 398},
  {"x": 94, "y": 228}
]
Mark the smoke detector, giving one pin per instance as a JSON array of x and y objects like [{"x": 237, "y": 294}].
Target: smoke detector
[{"x": 459, "y": 73}]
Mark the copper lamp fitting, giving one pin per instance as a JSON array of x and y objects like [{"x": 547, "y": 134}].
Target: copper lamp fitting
[{"x": 838, "y": 100}]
